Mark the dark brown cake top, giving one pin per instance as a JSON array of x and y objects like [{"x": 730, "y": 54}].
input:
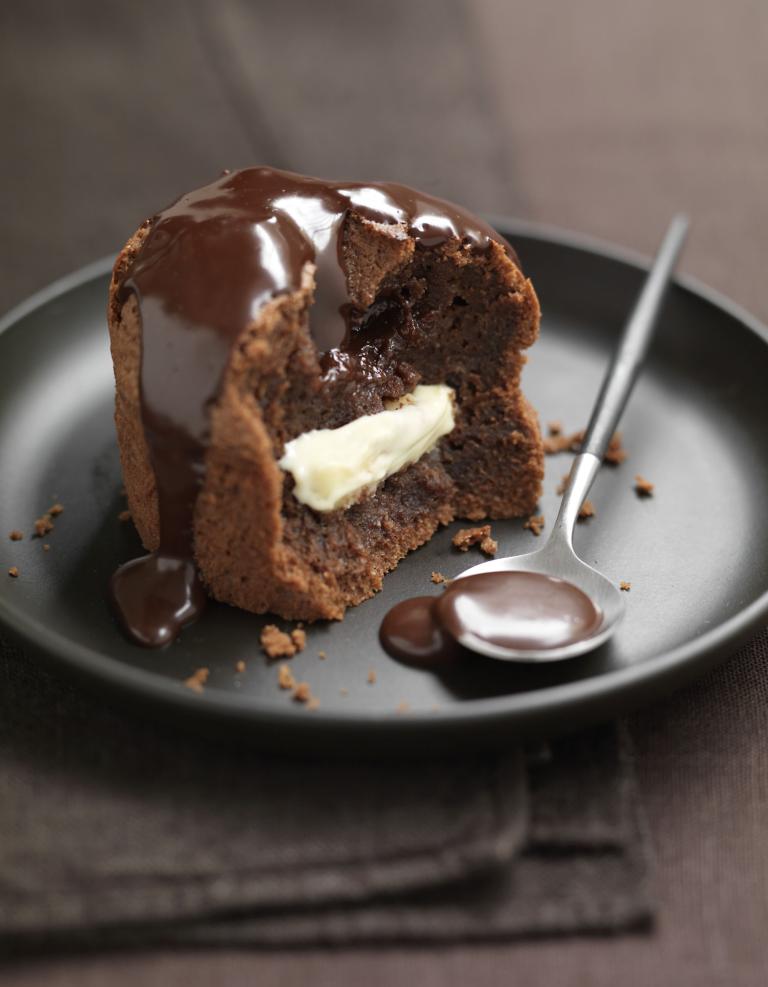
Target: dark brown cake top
[{"x": 204, "y": 270}]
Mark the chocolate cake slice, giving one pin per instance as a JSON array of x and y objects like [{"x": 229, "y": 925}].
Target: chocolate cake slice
[{"x": 311, "y": 377}]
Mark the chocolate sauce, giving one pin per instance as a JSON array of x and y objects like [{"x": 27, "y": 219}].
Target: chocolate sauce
[
  {"x": 155, "y": 596},
  {"x": 411, "y": 633},
  {"x": 203, "y": 272},
  {"x": 522, "y": 610}
]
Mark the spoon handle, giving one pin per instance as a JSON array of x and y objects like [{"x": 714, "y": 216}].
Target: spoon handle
[
  {"x": 619, "y": 380},
  {"x": 622, "y": 372}
]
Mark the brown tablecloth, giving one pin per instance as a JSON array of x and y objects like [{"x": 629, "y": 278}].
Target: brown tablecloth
[{"x": 601, "y": 117}]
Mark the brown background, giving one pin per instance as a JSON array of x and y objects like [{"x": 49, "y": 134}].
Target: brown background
[{"x": 604, "y": 117}]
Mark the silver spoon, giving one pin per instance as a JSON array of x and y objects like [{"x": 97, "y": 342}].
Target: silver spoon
[{"x": 557, "y": 556}]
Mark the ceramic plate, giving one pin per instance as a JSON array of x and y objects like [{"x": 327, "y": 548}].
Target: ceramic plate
[{"x": 696, "y": 553}]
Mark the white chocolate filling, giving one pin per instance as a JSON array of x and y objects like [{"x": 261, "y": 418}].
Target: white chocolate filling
[{"x": 333, "y": 467}]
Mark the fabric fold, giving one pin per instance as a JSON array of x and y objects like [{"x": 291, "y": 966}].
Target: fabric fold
[{"x": 117, "y": 832}]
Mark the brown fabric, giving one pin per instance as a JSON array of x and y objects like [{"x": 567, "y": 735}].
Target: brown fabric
[
  {"x": 114, "y": 833},
  {"x": 600, "y": 117}
]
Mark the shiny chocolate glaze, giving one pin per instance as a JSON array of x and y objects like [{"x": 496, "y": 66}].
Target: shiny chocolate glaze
[
  {"x": 521, "y": 610},
  {"x": 204, "y": 270},
  {"x": 411, "y": 633}
]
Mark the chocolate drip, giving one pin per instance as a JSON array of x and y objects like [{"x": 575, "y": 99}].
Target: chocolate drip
[
  {"x": 203, "y": 272},
  {"x": 521, "y": 610}
]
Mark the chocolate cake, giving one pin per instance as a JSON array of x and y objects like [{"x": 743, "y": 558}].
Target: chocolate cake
[{"x": 311, "y": 377}]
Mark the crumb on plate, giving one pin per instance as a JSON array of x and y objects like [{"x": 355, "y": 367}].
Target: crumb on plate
[
  {"x": 563, "y": 484},
  {"x": 277, "y": 644},
  {"x": 615, "y": 453},
  {"x": 16, "y": 535},
  {"x": 285, "y": 677},
  {"x": 643, "y": 487},
  {"x": 534, "y": 524},
  {"x": 197, "y": 679},
  {"x": 556, "y": 442},
  {"x": 481, "y": 536},
  {"x": 43, "y": 525},
  {"x": 625, "y": 586},
  {"x": 302, "y": 693}
]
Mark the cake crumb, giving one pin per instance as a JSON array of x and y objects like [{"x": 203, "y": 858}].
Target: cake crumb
[
  {"x": 371, "y": 679},
  {"x": 586, "y": 510},
  {"x": 13, "y": 572},
  {"x": 43, "y": 525},
  {"x": 534, "y": 524},
  {"x": 625, "y": 586},
  {"x": 322, "y": 655},
  {"x": 555, "y": 428},
  {"x": 437, "y": 578},
  {"x": 643, "y": 488},
  {"x": 343, "y": 691},
  {"x": 556, "y": 442},
  {"x": 16, "y": 535},
  {"x": 124, "y": 516},
  {"x": 313, "y": 703},
  {"x": 240, "y": 666},
  {"x": 480, "y": 536},
  {"x": 489, "y": 546},
  {"x": 563, "y": 484},
  {"x": 299, "y": 638},
  {"x": 403, "y": 707},
  {"x": 55, "y": 510},
  {"x": 197, "y": 680},
  {"x": 285, "y": 677},
  {"x": 276, "y": 643},
  {"x": 46, "y": 547},
  {"x": 302, "y": 693},
  {"x": 615, "y": 454}
]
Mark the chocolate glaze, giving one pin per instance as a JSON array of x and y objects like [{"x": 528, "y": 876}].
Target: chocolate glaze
[
  {"x": 206, "y": 267},
  {"x": 522, "y": 610},
  {"x": 155, "y": 596}
]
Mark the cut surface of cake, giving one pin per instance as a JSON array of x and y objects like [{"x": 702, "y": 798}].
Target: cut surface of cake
[{"x": 311, "y": 378}]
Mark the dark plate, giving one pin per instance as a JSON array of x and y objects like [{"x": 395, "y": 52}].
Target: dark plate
[{"x": 696, "y": 553}]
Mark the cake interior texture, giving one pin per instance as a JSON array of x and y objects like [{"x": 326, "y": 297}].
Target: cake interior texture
[{"x": 442, "y": 312}]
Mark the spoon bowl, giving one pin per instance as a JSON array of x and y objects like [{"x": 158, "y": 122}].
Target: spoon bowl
[{"x": 604, "y": 595}]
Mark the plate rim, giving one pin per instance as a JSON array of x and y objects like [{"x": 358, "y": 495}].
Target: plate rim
[{"x": 575, "y": 697}]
